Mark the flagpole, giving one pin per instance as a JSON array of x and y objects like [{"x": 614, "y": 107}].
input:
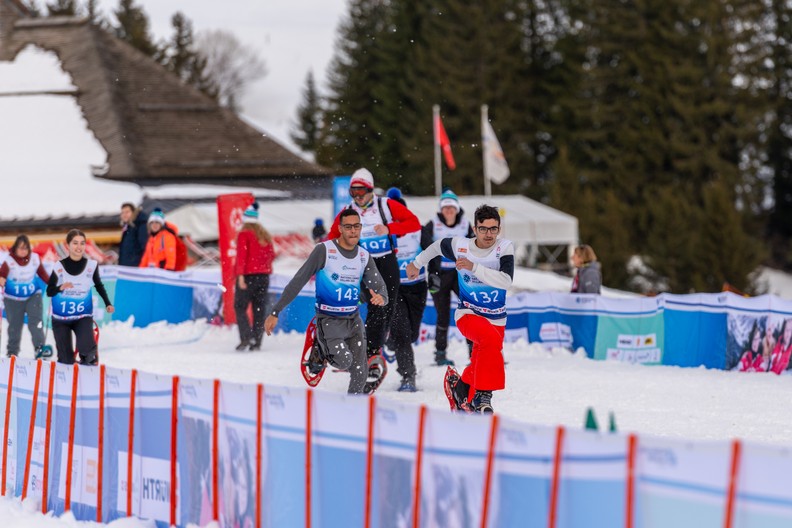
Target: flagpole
[
  {"x": 484, "y": 119},
  {"x": 438, "y": 168}
]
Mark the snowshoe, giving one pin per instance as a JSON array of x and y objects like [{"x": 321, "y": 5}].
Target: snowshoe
[
  {"x": 44, "y": 352},
  {"x": 312, "y": 364},
  {"x": 376, "y": 373},
  {"x": 242, "y": 346},
  {"x": 450, "y": 383}
]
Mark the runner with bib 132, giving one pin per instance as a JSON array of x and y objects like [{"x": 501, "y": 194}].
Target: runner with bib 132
[{"x": 485, "y": 266}]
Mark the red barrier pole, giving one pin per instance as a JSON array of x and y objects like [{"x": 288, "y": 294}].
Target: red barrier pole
[
  {"x": 216, "y": 453},
  {"x": 31, "y": 430},
  {"x": 131, "y": 442},
  {"x": 369, "y": 460},
  {"x": 7, "y": 420},
  {"x": 259, "y": 406},
  {"x": 174, "y": 450},
  {"x": 48, "y": 430},
  {"x": 70, "y": 455},
  {"x": 556, "y": 477},
  {"x": 733, "y": 474},
  {"x": 100, "y": 445},
  {"x": 490, "y": 463},
  {"x": 418, "y": 466},
  {"x": 308, "y": 411},
  {"x": 632, "y": 442}
]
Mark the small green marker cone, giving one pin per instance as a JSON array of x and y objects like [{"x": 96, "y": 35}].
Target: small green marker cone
[
  {"x": 591, "y": 420},
  {"x": 612, "y": 422}
]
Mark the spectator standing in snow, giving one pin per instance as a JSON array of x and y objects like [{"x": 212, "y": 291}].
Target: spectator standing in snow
[
  {"x": 381, "y": 219},
  {"x": 253, "y": 267},
  {"x": 343, "y": 271},
  {"x": 450, "y": 221},
  {"x": 72, "y": 302},
  {"x": 134, "y": 235},
  {"x": 318, "y": 231},
  {"x": 22, "y": 295},
  {"x": 486, "y": 269},
  {"x": 588, "y": 277},
  {"x": 409, "y": 304},
  {"x": 160, "y": 249}
]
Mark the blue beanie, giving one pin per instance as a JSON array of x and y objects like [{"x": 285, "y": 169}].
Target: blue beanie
[
  {"x": 251, "y": 214},
  {"x": 448, "y": 198},
  {"x": 394, "y": 193},
  {"x": 157, "y": 216},
  {"x": 318, "y": 222}
]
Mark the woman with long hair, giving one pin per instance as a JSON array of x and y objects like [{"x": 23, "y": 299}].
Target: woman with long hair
[
  {"x": 22, "y": 296},
  {"x": 751, "y": 359},
  {"x": 255, "y": 254},
  {"x": 779, "y": 358},
  {"x": 72, "y": 301}
]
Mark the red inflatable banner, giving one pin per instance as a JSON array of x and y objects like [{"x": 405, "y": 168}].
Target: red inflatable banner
[{"x": 229, "y": 220}]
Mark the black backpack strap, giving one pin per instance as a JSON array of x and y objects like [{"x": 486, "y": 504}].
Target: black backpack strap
[{"x": 391, "y": 238}]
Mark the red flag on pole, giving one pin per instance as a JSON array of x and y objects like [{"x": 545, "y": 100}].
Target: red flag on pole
[{"x": 441, "y": 138}]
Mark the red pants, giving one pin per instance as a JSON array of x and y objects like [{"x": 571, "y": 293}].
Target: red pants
[{"x": 486, "y": 371}]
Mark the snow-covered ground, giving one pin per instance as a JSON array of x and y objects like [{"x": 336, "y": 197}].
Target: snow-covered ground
[{"x": 543, "y": 387}]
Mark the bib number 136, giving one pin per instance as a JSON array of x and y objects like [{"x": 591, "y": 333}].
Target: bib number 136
[{"x": 72, "y": 307}]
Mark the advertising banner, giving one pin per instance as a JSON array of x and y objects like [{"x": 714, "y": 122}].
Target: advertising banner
[
  {"x": 195, "y": 451},
  {"x": 630, "y": 330},
  {"x": 118, "y": 384},
  {"x": 229, "y": 220},
  {"x": 340, "y": 193}
]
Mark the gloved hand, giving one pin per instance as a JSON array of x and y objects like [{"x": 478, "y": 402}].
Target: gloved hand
[{"x": 434, "y": 283}]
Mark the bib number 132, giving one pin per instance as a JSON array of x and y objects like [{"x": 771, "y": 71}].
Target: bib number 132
[{"x": 485, "y": 297}]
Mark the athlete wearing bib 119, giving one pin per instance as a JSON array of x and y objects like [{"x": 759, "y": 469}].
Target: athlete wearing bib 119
[
  {"x": 381, "y": 219},
  {"x": 485, "y": 266},
  {"x": 22, "y": 294},
  {"x": 69, "y": 287},
  {"x": 345, "y": 275}
]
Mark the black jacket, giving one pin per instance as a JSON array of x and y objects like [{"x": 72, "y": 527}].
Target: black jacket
[{"x": 133, "y": 241}]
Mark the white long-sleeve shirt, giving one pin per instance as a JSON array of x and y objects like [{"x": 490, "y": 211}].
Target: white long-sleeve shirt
[{"x": 498, "y": 278}]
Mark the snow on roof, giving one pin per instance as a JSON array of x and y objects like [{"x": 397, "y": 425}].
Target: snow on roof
[{"x": 47, "y": 148}]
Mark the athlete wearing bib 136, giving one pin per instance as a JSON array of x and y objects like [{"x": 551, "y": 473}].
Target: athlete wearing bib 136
[
  {"x": 69, "y": 287},
  {"x": 485, "y": 266},
  {"x": 23, "y": 295}
]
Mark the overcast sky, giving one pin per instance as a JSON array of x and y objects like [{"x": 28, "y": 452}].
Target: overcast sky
[{"x": 292, "y": 36}]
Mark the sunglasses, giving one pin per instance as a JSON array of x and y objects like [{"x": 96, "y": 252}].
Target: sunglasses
[
  {"x": 484, "y": 230},
  {"x": 356, "y": 192}
]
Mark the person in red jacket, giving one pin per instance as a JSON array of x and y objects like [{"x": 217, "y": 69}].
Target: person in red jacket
[
  {"x": 382, "y": 220},
  {"x": 253, "y": 267}
]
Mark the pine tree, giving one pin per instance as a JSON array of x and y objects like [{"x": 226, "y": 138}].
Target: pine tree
[
  {"x": 779, "y": 148},
  {"x": 180, "y": 56},
  {"x": 62, "y": 8},
  {"x": 133, "y": 27},
  {"x": 305, "y": 133},
  {"x": 347, "y": 139}
]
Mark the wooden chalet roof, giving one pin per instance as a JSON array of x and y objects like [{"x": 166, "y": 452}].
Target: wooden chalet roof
[{"x": 155, "y": 129}]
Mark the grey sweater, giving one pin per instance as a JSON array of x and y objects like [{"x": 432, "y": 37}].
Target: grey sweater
[{"x": 316, "y": 261}]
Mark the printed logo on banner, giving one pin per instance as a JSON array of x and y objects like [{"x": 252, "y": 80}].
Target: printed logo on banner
[
  {"x": 555, "y": 334},
  {"x": 84, "y": 474},
  {"x": 113, "y": 381},
  {"x": 150, "y": 487},
  {"x": 660, "y": 457},
  {"x": 514, "y": 437},
  {"x": 275, "y": 400},
  {"x": 388, "y": 415},
  {"x": 635, "y": 348}
]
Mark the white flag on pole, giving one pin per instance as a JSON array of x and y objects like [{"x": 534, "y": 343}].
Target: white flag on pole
[{"x": 495, "y": 167}]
